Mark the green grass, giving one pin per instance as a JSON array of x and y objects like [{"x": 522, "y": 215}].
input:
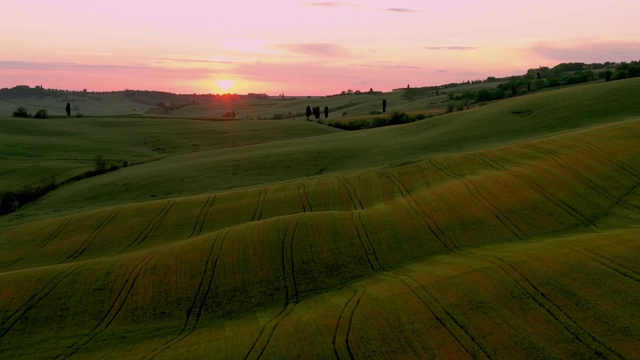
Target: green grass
[{"x": 482, "y": 233}]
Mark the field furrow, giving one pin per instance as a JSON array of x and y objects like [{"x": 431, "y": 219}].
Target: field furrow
[
  {"x": 202, "y": 216},
  {"x": 91, "y": 238},
  {"x": 584, "y": 337},
  {"x": 148, "y": 229},
  {"x": 8, "y": 323},
  {"x": 484, "y": 201},
  {"x": 113, "y": 311},
  {"x": 194, "y": 312},
  {"x": 422, "y": 214},
  {"x": 353, "y": 196},
  {"x": 41, "y": 245},
  {"x": 260, "y": 203}
]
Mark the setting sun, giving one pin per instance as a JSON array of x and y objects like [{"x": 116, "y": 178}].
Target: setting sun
[{"x": 225, "y": 84}]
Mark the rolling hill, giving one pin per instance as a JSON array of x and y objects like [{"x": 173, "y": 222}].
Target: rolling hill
[{"x": 508, "y": 230}]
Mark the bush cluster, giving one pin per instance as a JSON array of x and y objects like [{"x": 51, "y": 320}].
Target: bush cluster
[
  {"x": 396, "y": 118},
  {"x": 11, "y": 201}
]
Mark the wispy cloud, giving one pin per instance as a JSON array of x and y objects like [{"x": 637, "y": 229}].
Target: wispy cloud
[
  {"x": 329, "y": 4},
  {"x": 451, "y": 48},
  {"x": 402, "y": 10},
  {"x": 317, "y": 49},
  {"x": 197, "y": 61},
  {"x": 586, "y": 51},
  {"x": 124, "y": 70}
]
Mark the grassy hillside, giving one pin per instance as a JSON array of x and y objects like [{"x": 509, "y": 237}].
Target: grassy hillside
[
  {"x": 507, "y": 122},
  {"x": 507, "y": 230}
]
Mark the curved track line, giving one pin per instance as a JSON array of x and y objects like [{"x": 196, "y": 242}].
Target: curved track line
[
  {"x": 85, "y": 245},
  {"x": 456, "y": 330},
  {"x": 260, "y": 203},
  {"x": 622, "y": 129},
  {"x": 581, "y": 335},
  {"x": 151, "y": 226},
  {"x": 114, "y": 309},
  {"x": 194, "y": 312},
  {"x": 291, "y": 300},
  {"x": 302, "y": 193},
  {"x": 488, "y": 205},
  {"x": 610, "y": 264},
  {"x": 202, "y": 216},
  {"x": 559, "y": 203},
  {"x": 597, "y": 150},
  {"x": 353, "y": 195},
  {"x": 8, "y": 240},
  {"x": 437, "y": 232},
  {"x": 7, "y": 324},
  {"x": 340, "y": 348},
  {"x": 44, "y": 243},
  {"x": 572, "y": 170}
]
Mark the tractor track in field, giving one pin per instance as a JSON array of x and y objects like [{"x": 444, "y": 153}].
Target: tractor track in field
[
  {"x": 572, "y": 170},
  {"x": 453, "y": 326},
  {"x": 304, "y": 199},
  {"x": 488, "y": 205},
  {"x": 148, "y": 229},
  {"x": 580, "y": 334},
  {"x": 42, "y": 244},
  {"x": 260, "y": 203},
  {"x": 353, "y": 195},
  {"x": 610, "y": 264},
  {"x": 341, "y": 345},
  {"x": 7, "y": 324},
  {"x": 291, "y": 297},
  {"x": 202, "y": 216},
  {"x": 367, "y": 246},
  {"x": 194, "y": 312},
  {"x": 619, "y": 201},
  {"x": 559, "y": 203},
  {"x": 112, "y": 312},
  {"x": 622, "y": 129},
  {"x": 8, "y": 240},
  {"x": 94, "y": 234},
  {"x": 597, "y": 150},
  {"x": 433, "y": 226}
]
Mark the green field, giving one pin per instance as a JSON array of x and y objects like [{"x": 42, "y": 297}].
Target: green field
[{"x": 504, "y": 231}]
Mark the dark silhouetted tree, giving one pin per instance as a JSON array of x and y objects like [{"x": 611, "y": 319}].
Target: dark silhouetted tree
[
  {"x": 316, "y": 112},
  {"x": 21, "y": 112},
  {"x": 326, "y": 112},
  {"x": 41, "y": 114},
  {"x": 308, "y": 112},
  {"x": 384, "y": 106},
  {"x": 68, "y": 108},
  {"x": 608, "y": 76}
]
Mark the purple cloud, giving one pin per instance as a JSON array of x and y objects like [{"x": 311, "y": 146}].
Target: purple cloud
[
  {"x": 589, "y": 52},
  {"x": 452, "y": 48},
  {"x": 319, "y": 49},
  {"x": 328, "y": 4},
  {"x": 402, "y": 10}
]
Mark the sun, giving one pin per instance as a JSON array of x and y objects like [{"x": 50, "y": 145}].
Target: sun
[{"x": 225, "y": 84}]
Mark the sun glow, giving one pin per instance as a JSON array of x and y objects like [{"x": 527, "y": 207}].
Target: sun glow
[{"x": 225, "y": 85}]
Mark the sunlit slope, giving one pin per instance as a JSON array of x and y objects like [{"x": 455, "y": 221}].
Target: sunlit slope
[
  {"x": 344, "y": 265},
  {"x": 511, "y": 121},
  {"x": 33, "y": 149}
]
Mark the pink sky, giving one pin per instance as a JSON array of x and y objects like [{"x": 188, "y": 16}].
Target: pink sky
[{"x": 301, "y": 47}]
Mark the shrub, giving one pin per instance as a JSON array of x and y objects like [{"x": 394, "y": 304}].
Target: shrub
[
  {"x": 21, "y": 112},
  {"x": 41, "y": 114},
  {"x": 100, "y": 164}
]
